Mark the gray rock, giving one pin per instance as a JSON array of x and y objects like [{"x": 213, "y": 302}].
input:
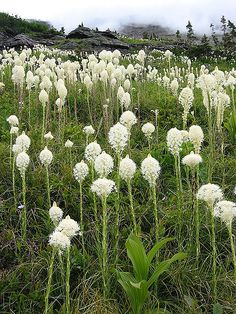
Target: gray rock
[
  {"x": 81, "y": 32},
  {"x": 20, "y": 41},
  {"x": 69, "y": 45}
]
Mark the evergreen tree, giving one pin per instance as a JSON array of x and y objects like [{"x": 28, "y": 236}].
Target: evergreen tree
[
  {"x": 213, "y": 35},
  {"x": 190, "y": 33},
  {"x": 178, "y": 36},
  {"x": 62, "y": 30}
]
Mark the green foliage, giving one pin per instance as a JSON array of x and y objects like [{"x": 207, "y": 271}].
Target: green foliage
[
  {"x": 14, "y": 25},
  {"x": 137, "y": 284},
  {"x": 230, "y": 125}
]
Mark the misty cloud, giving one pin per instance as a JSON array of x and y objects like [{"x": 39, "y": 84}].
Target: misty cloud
[{"x": 106, "y": 13}]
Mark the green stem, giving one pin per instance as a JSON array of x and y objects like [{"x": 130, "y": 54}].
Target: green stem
[
  {"x": 210, "y": 134},
  {"x": 14, "y": 181},
  {"x": 154, "y": 196},
  {"x": 117, "y": 210},
  {"x": 197, "y": 218},
  {"x": 10, "y": 150},
  {"x": 50, "y": 271},
  {"x": 232, "y": 249},
  {"x": 132, "y": 207},
  {"x": 48, "y": 187},
  {"x": 104, "y": 247},
  {"x": 43, "y": 125},
  {"x": 24, "y": 208},
  {"x": 81, "y": 217},
  {"x": 213, "y": 241},
  {"x": 179, "y": 197},
  {"x": 68, "y": 281}
]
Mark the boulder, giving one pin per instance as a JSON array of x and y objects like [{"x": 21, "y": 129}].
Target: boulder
[
  {"x": 81, "y": 32},
  {"x": 20, "y": 40},
  {"x": 3, "y": 39}
]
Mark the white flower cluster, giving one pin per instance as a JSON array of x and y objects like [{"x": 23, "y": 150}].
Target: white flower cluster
[
  {"x": 210, "y": 193},
  {"x": 186, "y": 99},
  {"x": 148, "y": 128},
  {"x": 226, "y": 211},
  {"x": 103, "y": 164},
  {"x": 92, "y": 150},
  {"x": 46, "y": 157},
  {"x": 43, "y": 97},
  {"x": 118, "y": 137},
  {"x": 22, "y": 162},
  {"x": 103, "y": 187},
  {"x": 150, "y": 169},
  {"x": 127, "y": 168},
  {"x": 192, "y": 160},
  {"x": 23, "y": 141},
  {"x": 65, "y": 229},
  {"x": 55, "y": 214},
  {"x": 80, "y": 171},
  {"x": 48, "y": 136},
  {"x": 69, "y": 144},
  {"x": 196, "y": 136},
  {"x": 14, "y": 130},
  {"x": 88, "y": 130},
  {"x": 59, "y": 240},
  {"x": 174, "y": 141},
  {"x": 69, "y": 227},
  {"x": 13, "y": 120},
  {"x": 128, "y": 119}
]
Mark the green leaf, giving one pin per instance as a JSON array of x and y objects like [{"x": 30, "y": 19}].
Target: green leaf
[
  {"x": 217, "y": 309},
  {"x": 137, "y": 292},
  {"x": 163, "y": 266},
  {"x": 156, "y": 248},
  {"x": 138, "y": 257}
]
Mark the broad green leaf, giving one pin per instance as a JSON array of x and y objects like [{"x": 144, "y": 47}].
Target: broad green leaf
[
  {"x": 157, "y": 247},
  {"x": 138, "y": 257},
  {"x": 163, "y": 266}
]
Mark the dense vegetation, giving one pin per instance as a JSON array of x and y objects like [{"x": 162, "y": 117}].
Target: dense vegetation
[
  {"x": 14, "y": 25},
  {"x": 62, "y": 93}
]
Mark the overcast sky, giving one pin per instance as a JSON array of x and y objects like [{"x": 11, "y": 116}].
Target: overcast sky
[{"x": 110, "y": 13}]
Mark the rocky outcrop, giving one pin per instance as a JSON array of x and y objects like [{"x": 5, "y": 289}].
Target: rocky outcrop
[
  {"x": 95, "y": 39},
  {"x": 20, "y": 40}
]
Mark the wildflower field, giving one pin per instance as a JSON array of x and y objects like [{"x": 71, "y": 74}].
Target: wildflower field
[{"x": 118, "y": 183}]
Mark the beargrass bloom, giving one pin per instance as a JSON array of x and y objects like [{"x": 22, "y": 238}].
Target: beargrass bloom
[
  {"x": 68, "y": 227},
  {"x": 147, "y": 129},
  {"x": 68, "y": 144},
  {"x": 59, "y": 240},
  {"x": 46, "y": 157},
  {"x": 226, "y": 211},
  {"x": 150, "y": 169},
  {"x": 103, "y": 187},
  {"x": 118, "y": 137},
  {"x": 13, "y": 120},
  {"x": 192, "y": 160},
  {"x": 88, "y": 130},
  {"x": 210, "y": 193},
  {"x": 103, "y": 164},
  {"x": 80, "y": 171},
  {"x": 92, "y": 150},
  {"x": 22, "y": 162},
  {"x": 174, "y": 141},
  {"x": 127, "y": 168},
  {"x": 128, "y": 119},
  {"x": 196, "y": 137},
  {"x": 23, "y": 141},
  {"x": 55, "y": 214}
]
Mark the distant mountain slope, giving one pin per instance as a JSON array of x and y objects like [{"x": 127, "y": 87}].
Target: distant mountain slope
[
  {"x": 138, "y": 30},
  {"x": 14, "y": 25}
]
